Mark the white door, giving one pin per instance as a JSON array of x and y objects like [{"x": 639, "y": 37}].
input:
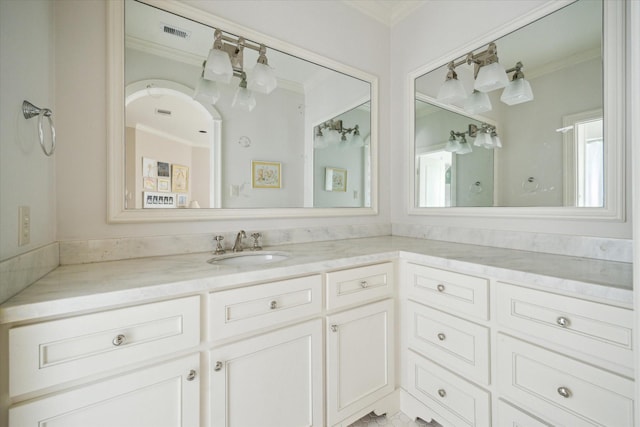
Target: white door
[
  {"x": 166, "y": 395},
  {"x": 359, "y": 359},
  {"x": 272, "y": 380}
]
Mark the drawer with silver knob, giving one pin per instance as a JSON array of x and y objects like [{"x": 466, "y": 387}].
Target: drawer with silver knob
[
  {"x": 452, "y": 400},
  {"x": 49, "y": 353},
  {"x": 242, "y": 310},
  {"x": 598, "y": 330},
  {"x": 359, "y": 285},
  {"x": 562, "y": 389},
  {"x": 455, "y": 343},
  {"x": 462, "y": 293}
]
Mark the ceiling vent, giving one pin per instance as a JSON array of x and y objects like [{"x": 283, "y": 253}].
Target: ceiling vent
[
  {"x": 163, "y": 112},
  {"x": 174, "y": 31}
]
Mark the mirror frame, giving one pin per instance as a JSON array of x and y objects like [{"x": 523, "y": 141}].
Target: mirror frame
[
  {"x": 614, "y": 79},
  {"x": 116, "y": 212}
]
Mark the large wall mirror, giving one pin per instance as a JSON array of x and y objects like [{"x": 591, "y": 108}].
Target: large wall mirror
[
  {"x": 278, "y": 132},
  {"x": 528, "y": 123}
]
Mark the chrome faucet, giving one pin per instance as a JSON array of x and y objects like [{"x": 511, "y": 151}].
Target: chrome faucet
[{"x": 237, "y": 246}]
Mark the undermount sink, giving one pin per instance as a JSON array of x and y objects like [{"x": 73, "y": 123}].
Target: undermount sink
[{"x": 249, "y": 258}]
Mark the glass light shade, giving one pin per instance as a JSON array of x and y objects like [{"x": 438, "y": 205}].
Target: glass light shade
[
  {"x": 495, "y": 139},
  {"x": 357, "y": 140},
  {"x": 218, "y": 66},
  {"x": 465, "y": 148},
  {"x": 244, "y": 99},
  {"x": 320, "y": 142},
  {"x": 477, "y": 102},
  {"x": 483, "y": 139},
  {"x": 332, "y": 136},
  {"x": 453, "y": 146},
  {"x": 262, "y": 79},
  {"x": 452, "y": 91},
  {"x": 518, "y": 91},
  {"x": 491, "y": 77},
  {"x": 206, "y": 91}
]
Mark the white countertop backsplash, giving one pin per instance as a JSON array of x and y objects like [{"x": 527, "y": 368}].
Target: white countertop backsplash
[{"x": 92, "y": 286}]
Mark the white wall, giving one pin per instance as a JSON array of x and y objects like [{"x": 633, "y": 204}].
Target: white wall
[
  {"x": 27, "y": 176},
  {"x": 418, "y": 40},
  {"x": 81, "y": 87}
]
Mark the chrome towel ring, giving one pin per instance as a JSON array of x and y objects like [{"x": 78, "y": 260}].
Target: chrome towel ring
[{"x": 29, "y": 110}]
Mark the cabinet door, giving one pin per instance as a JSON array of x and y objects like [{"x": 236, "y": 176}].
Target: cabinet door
[
  {"x": 360, "y": 366},
  {"x": 274, "y": 379},
  {"x": 165, "y": 395}
]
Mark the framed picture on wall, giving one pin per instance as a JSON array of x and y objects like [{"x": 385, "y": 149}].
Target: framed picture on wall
[
  {"x": 164, "y": 170},
  {"x": 149, "y": 183},
  {"x": 335, "y": 179},
  {"x": 164, "y": 184},
  {"x": 179, "y": 179},
  {"x": 156, "y": 200},
  {"x": 265, "y": 174},
  {"x": 149, "y": 167},
  {"x": 181, "y": 200}
]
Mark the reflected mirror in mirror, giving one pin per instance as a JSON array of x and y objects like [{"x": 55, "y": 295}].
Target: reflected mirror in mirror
[
  {"x": 530, "y": 108},
  {"x": 194, "y": 132}
]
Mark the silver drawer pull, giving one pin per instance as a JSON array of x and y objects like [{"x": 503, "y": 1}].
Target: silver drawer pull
[
  {"x": 440, "y": 287},
  {"x": 563, "y": 321},
  {"x": 364, "y": 284},
  {"x": 334, "y": 328},
  {"x": 273, "y": 305},
  {"x": 442, "y": 392},
  {"x": 119, "y": 340},
  {"x": 192, "y": 375},
  {"x": 564, "y": 392},
  {"x": 441, "y": 336},
  {"x": 218, "y": 366}
]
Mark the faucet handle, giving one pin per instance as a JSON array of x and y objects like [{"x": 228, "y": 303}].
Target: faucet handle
[
  {"x": 219, "y": 249},
  {"x": 256, "y": 244}
]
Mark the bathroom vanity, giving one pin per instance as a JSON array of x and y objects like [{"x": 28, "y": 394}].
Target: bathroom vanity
[{"x": 466, "y": 335}]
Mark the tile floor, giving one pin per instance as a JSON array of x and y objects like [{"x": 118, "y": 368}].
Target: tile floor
[{"x": 397, "y": 420}]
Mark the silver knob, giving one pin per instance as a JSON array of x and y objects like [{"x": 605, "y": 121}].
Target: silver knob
[
  {"x": 273, "y": 305},
  {"x": 564, "y": 392},
  {"x": 334, "y": 328},
  {"x": 119, "y": 340},
  {"x": 441, "y": 336},
  {"x": 364, "y": 284},
  {"x": 442, "y": 392},
  {"x": 192, "y": 375},
  {"x": 218, "y": 366},
  {"x": 440, "y": 287},
  {"x": 563, "y": 321}
]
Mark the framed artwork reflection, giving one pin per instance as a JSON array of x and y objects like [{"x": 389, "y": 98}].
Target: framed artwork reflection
[
  {"x": 266, "y": 174},
  {"x": 179, "y": 178},
  {"x": 335, "y": 179}
]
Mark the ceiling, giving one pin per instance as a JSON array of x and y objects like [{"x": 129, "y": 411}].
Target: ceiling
[{"x": 389, "y": 12}]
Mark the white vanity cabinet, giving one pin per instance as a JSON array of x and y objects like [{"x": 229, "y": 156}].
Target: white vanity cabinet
[
  {"x": 360, "y": 341},
  {"x": 274, "y": 379},
  {"x": 164, "y": 395}
]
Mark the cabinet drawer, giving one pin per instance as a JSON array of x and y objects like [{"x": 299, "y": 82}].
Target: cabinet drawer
[
  {"x": 237, "y": 311},
  {"x": 458, "y": 344},
  {"x": 52, "y": 352},
  {"x": 596, "y": 329},
  {"x": 456, "y": 402},
  {"x": 510, "y": 416},
  {"x": 458, "y": 292},
  {"x": 567, "y": 391},
  {"x": 357, "y": 285}
]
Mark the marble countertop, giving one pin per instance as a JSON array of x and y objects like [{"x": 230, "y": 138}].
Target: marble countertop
[{"x": 84, "y": 287}]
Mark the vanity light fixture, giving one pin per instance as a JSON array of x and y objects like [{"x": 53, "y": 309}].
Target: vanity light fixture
[
  {"x": 206, "y": 90},
  {"x": 226, "y": 60},
  {"x": 335, "y": 132},
  {"x": 489, "y": 75},
  {"x": 485, "y": 136}
]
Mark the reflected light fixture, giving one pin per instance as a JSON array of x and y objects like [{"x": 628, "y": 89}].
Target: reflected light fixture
[
  {"x": 244, "y": 98},
  {"x": 485, "y": 136},
  {"x": 489, "y": 75},
  {"x": 334, "y": 132},
  {"x": 225, "y": 61},
  {"x": 518, "y": 90}
]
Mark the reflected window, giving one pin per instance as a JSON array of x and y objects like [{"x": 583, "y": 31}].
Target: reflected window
[
  {"x": 435, "y": 169},
  {"x": 590, "y": 148}
]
